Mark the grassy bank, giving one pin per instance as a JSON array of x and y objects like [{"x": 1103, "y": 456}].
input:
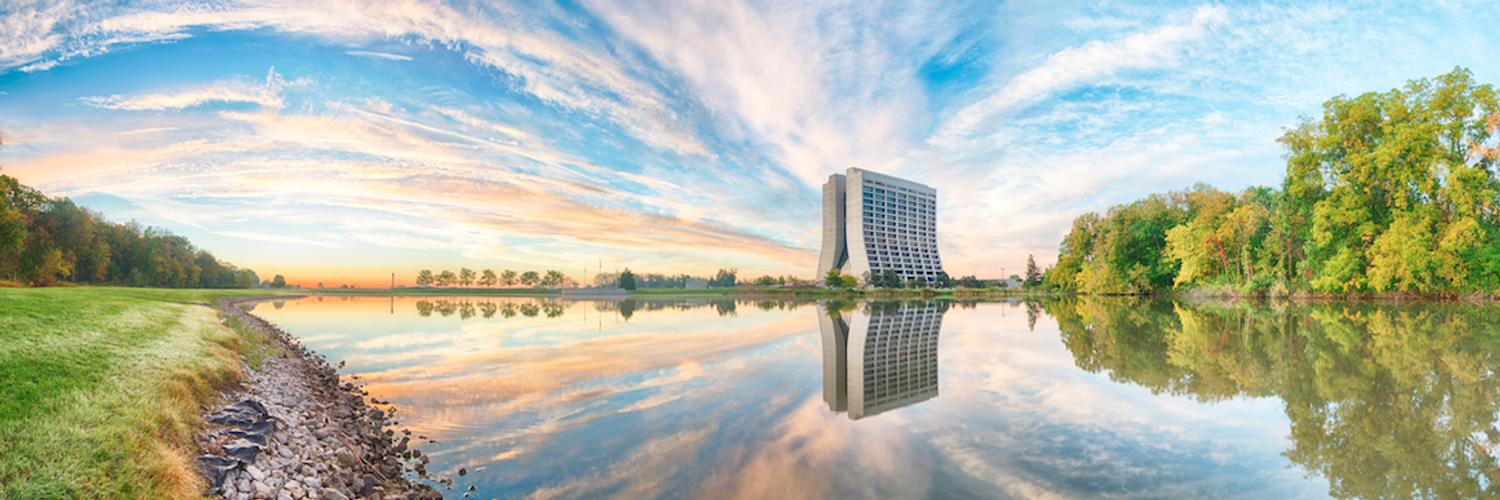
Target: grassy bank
[{"x": 100, "y": 389}]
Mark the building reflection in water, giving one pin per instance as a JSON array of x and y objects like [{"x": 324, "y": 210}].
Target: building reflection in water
[{"x": 893, "y": 361}]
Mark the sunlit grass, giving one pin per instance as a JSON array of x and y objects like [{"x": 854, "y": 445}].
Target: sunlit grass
[{"x": 100, "y": 390}]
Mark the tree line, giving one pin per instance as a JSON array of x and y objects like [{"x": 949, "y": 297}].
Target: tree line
[
  {"x": 47, "y": 241},
  {"x": 466, "y": 277},
  {"x": 724, "y": 278},
  {"x": 1392, "y": 192}
]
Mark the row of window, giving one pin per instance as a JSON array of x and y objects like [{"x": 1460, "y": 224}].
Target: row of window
[
  {"x": 903, "y": 202},
  {"x": 877, "y": 187}
]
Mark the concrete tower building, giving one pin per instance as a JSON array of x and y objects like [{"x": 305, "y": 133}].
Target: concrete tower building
[{"x": 873, "y": 222}]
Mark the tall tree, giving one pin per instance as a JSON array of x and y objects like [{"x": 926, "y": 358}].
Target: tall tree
[
  {"x": 465, "y": 277},
  {"x": 508, "y": 278},
  {"x": 530, "y": 278},
  {"x": 488, "y": 279},
  {"x": 1033, "y": 275},
  {"x": 425, "y": 278},
  {"x": 627, "y": 279}
]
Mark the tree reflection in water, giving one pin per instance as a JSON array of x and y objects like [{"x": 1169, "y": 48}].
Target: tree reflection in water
[
  {"x": 1386, "y": 401},
  {"x": 467, "y": 308}
]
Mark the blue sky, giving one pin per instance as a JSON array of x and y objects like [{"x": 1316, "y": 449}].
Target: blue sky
[{"x": 341, "y": 141}]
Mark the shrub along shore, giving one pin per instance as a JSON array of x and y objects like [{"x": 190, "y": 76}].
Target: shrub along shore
[{"x": 102, "y": 391}]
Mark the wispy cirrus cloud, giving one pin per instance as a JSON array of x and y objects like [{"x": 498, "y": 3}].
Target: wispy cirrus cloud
[
  {"x": 379, "y": 55},
  {"x": 1082, "y": 65},
  {"x": 267, "y": 94}
]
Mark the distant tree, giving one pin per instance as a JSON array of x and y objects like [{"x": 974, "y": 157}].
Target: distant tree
[
  {"x": 508, "y": 278},
  {"x": 465, "y": 277},
  {"x": 488, "y": 279},
  {"x": 278, "y": 282},
  {"x": 849, "y": 282},
  {"x": 627, "y": 279},
  {"x": 244, "y": 279},
  {"x": 917, "y": 282},
  {"x": 766, "y": 280},
  {"x": 890, "y": 279},
  {"x": 320, "y": 285},
  {"x": 1033, "y": 274},
  {"x": 725, "y": 279},
  {"x": 530, "y": 278},
  {"x": 943, "y": 280},
  {"x": 446, "y": 278},
  {"x": 553, "y": 279},
  {"x": 425, "y": 278},
  {"x": 834, "y": 278},
  {"x": 970, "y": 282}
]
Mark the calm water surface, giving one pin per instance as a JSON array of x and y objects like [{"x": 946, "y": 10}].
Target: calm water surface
[{"x": 1067, "y": 398}]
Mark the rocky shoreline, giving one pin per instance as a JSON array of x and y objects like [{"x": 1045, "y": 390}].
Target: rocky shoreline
[{"x": 293, "y": 430}]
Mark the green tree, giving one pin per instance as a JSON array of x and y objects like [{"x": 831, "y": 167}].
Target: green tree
[
  {"x": 834, "y": 278},
  {"x": 530, "y": 279},
  {"x": 465, "y": 277},
  {"x": 425, "y": 278},
  {"x": 508, "y": 278},
  {"x": 1395, "y": 191},
  {"x": 278, "y": 282},
  {"x": 627, "y": 279},
  {"x": 724, "y": 279},
  {"x": 891, "y": 279},
  {"x": 446, "y": 279},
  {"x": 553, "y": 279},
  {"x": 1033, "y": 274},
  {"x": 487, "y": 279}
]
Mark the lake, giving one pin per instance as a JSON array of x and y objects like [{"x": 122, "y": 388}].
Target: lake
[{"x": 1058, "y": 398}]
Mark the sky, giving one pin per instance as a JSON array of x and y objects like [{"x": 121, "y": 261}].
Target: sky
[{"x": 340, "y": 141}]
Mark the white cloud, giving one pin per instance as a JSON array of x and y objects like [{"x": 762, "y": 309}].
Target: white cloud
[
  {"x": 279, "y": 238},
  {"x": 379, "y": 55},
  {"x": 1075, "y": 66},
  {"x": 266, "y": 94},
  {"x": 39, "y": 66}
]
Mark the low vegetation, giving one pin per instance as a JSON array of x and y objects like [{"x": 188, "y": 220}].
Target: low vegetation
[
  {"x": 100, "y": 390},
  {"x": 1392, "y": 192}
]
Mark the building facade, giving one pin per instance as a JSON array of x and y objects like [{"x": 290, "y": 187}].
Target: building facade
[{"x": 873, "y": 222}]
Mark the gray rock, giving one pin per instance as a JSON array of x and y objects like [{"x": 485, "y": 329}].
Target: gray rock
[
  {"x": 344, "y": 458},
  {"x": 330, "y": 494},
  {"x": 262, "y": 491},
  {"x": 255, "y": 472}
]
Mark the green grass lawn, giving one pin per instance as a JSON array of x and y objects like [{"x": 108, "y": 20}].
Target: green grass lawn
[{"x": 100, "y": 389}]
